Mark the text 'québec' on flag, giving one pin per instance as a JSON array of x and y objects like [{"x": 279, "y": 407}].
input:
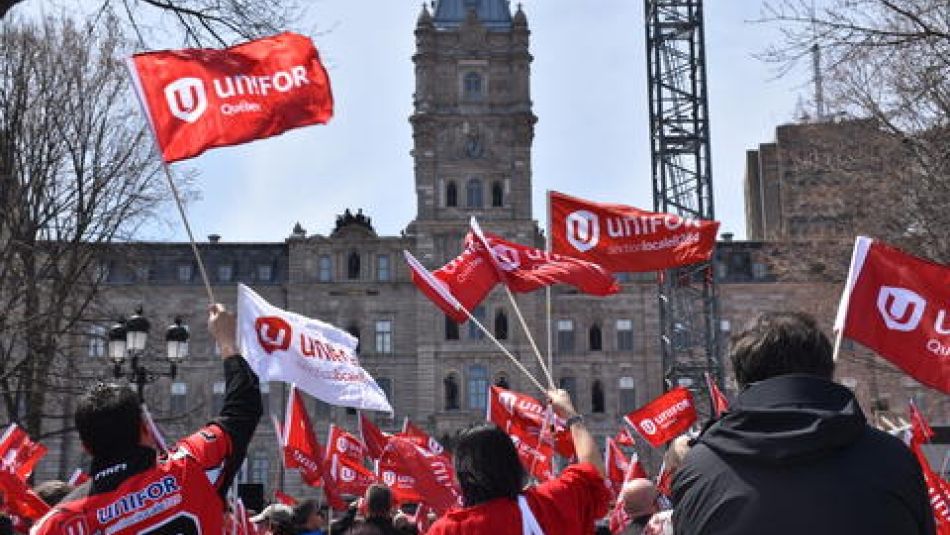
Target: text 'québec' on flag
[{"x": 316, "y": 356}]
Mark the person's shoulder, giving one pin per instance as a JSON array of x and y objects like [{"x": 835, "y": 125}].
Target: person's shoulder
[{"x": 887, "y": 449}]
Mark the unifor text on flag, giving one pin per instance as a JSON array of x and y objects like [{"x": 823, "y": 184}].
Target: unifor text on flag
[
  {"x": 316, "y": 356},
  {"x": 197, "y": 99},
  {"x": 623, "y": 238},
  {"x": 899, "y": 306},
  {"x": 664, "y": 418}
]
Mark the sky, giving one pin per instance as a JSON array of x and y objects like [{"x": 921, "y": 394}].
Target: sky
[{"x": 589, "y": 92}]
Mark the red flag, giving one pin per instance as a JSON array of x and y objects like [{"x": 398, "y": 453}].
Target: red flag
[
  {"x": 374, "y": 439},
  {"x": 718, "y": 400},
  {"x": 619, "y": 520},
  {"x": 664, "y": 418},
  {"x": 421, "y": 518},
  {"x": 921, "y": 432},
  {"x": 301, "y": 448},
  {"x": 522, "y": 415},
  {"x": 461, "y": 284},
  {"x": 344, "y": 472},
  {"x": 664, "y": 481},
  {"x": 624, "y": 438},
  {"x": 898, "y": 305},
  {"x": 18, "y": 499},
  {"x": 423, "y": 440},
  {"x": 525, "y": 269},
  {"x": 938, "y": 490},
  {"x": 432, "y": 474},
  {"x": 284, "y": 498},
  {"x": 635, "y": 469},
  {"x": 623, "y": 238},
  {"x": 197, "y": 99},
  {"x": 617, "y": 467},
  {"x": 536, "y": 456},
  {"x": 18, "y": 453}
]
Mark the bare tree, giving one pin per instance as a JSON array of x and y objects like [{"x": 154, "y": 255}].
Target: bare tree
[
  {"x": 76, "y": 173},
  {"x": 200, "y": 22},
  {"x": 887, "y": 61}
]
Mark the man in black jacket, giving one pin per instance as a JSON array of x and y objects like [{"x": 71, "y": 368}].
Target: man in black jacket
[{"x": 794, "y": 455}]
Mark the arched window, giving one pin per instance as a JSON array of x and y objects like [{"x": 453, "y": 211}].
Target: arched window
[
  {"x": 472, "y": 86},
  {"x": 497, "y": 195},
  {"x": 477, "y": 386},
  {"x": 597, "y": 403},
  {"x": 451, "y": 387},
  {"x": 595, "y": 338},
  {"x": 473, "y": 193},
  {"x": 501, "y": 325},
  {"x": 451, "y": 329},
  {"x": 451, "y": 194},
  {"x": 502, "y": 381},
  {"x": 353, "y": 266},
  {"x": 355, "y": 331},
  {"x": 474, "y": 333}
]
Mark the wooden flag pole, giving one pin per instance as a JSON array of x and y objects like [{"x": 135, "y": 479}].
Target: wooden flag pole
[
  {"x": 191, "y": 236},
  {"x": 534, "y": 346},
  {"x": 504, "y": 350}
]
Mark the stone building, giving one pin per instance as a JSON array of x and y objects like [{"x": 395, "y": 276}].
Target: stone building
[{"x": 472, "y": 130}]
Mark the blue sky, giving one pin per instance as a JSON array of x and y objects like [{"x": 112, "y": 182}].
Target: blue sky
[{"x": 589, "y": 92}]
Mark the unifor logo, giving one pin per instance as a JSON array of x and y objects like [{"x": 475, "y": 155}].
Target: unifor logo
[
  {"x": 506, "y": 256},
  {"x": 186, "y": 98},
  {"x": 583, "y": 230},
  {"x": 347, "y": 474},
  {"x": 273, "y": 333},
  {"x": 507, "y": 400},
  {"x": 901, "y": 308},
  {"x": 434, "y": 446},
  {"x": 648, "y": 426},
  {"x": 389, "y": 477}
]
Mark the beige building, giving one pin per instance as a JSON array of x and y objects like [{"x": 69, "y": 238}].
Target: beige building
[{"x": 472, "y": 130}]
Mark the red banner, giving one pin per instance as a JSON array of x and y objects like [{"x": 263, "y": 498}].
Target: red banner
[
  {"x": 18, "y": 499},
  {"x": 374, "y": 439},
  {"x": 18, "y": 453},
  {"x": 617, "y": 467},
  {"x": 431, "y": 475},
  {"x": 301, "y": 448},
  {"x": 664, "y": 418},
  {"x": 525, "y": 269},
  {"x": 522, "y": 415},
  {"x": 344, "y": 469},
  {"x": 535, "y": 455},
  {"x": 422, "y": 439},
  {"x": 622, "y": 238},
  {"x": 197, "y": 99},
  {"x": 462, "y": 283},
  {"x": 898, "y": 305}
]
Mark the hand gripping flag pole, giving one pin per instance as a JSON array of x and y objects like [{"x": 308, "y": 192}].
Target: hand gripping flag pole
[
  {"x": 524, "y": 325},
  {"x": 445, "y": 296},
  {"x": 137, "y": 84}
]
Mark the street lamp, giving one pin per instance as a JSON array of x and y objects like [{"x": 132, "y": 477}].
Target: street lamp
[{"x": 128, "y": 339}]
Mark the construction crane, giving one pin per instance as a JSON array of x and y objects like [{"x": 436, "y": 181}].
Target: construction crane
[{"x": 682, "y": 184}]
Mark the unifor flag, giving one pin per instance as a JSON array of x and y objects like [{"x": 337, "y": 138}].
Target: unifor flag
[
  {"x": 301, "y": 448},
  {"x": 525, "y": 269},
  {"x": 19, "y": 499},
  {"x": 718, "y": 400},
  {"x": 344, "y": 471},
  {"x": 617, "y": 466},
  {"x": 899, "y": 306},
  {"x": 623, "y": 238},
  {"x": 938, "y": 491},
  {"x": 18, "y": 452},
  {"x": 316, "y": 356},
  {"x": 664, "y": 418},
  {"x": 431, "y": 473},
  {"x": 373, "y": 438},
  {"x": 522, "y": 415},
  {"x": 197, "y": 99},
  {"x": 921, "y": 432},
  {"x": 422, "y": 439},
  {"x": 624, "y": 438},
  {"x": 457, "y": 286}
]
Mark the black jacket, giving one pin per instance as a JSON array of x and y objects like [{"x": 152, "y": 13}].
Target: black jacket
[{"x": 794, "y": 455}]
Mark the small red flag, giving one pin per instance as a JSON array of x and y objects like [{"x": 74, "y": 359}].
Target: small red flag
[
  {"x": 937, "y": 488},
  {"x": 921, "y": 432},
  {"x": 622, "y": 238},
  {"x": 373, "y": 438},
  {"x": 422, "y": 439},
  {"x": 19, "y": 499},
  {"x": 522, "y": 415},
  {"x": 18, "y": 453},
  {"x": 525, "y": 269},
  {"x": 624, "y": 438},
  {"x": 664, "y": 418},
  {"x": 197, "y": 99},
  {"x": 432, "y": 474},
  {"x": 719, "y": 401},
  {"x": 301, "y": 448},
  {"x": 897, "y": 305},
  {"x": 344, "y": 472},
  {"x": 457, "y": 286},
  {"x": 617, "y": 467}
]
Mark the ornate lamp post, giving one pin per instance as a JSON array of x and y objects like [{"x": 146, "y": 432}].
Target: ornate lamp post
[{"x": 127, "y": 341}]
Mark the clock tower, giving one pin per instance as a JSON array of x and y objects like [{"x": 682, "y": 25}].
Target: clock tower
[{"x": 472, "y": 125}]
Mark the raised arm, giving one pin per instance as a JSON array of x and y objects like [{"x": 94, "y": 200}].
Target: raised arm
[{"x": 584, "y": 444}]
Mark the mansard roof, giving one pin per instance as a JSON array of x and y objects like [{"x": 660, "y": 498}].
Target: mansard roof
[{"x": 493, "y": 14}]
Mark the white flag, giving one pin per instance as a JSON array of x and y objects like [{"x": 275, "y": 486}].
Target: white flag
[{"x": 318, "y": 357}]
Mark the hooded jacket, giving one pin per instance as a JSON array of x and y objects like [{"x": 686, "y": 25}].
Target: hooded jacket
[{"x": 794, "y": 455}]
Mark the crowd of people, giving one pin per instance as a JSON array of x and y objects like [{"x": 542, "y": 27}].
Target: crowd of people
[{"x": 794, "y": 454}]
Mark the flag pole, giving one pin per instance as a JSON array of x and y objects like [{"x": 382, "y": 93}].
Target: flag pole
[
  {"x": 547, "y": 292},
  {"x": 504, "y": 350},
  {"x": 527, "y": 331}
]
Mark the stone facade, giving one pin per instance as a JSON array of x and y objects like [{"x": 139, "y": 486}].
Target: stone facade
[{"x": 472, "y": 131}]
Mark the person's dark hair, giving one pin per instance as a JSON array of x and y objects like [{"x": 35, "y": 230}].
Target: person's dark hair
[
  {"x": 379, "y": 500},
  {"x": 108, "y": 418},
  {"x": 779, "y": 343},
  {"x": 52, "y": 492},
  {"x": 303, "y": 510},
  {"x": 487, "y": 465}
]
